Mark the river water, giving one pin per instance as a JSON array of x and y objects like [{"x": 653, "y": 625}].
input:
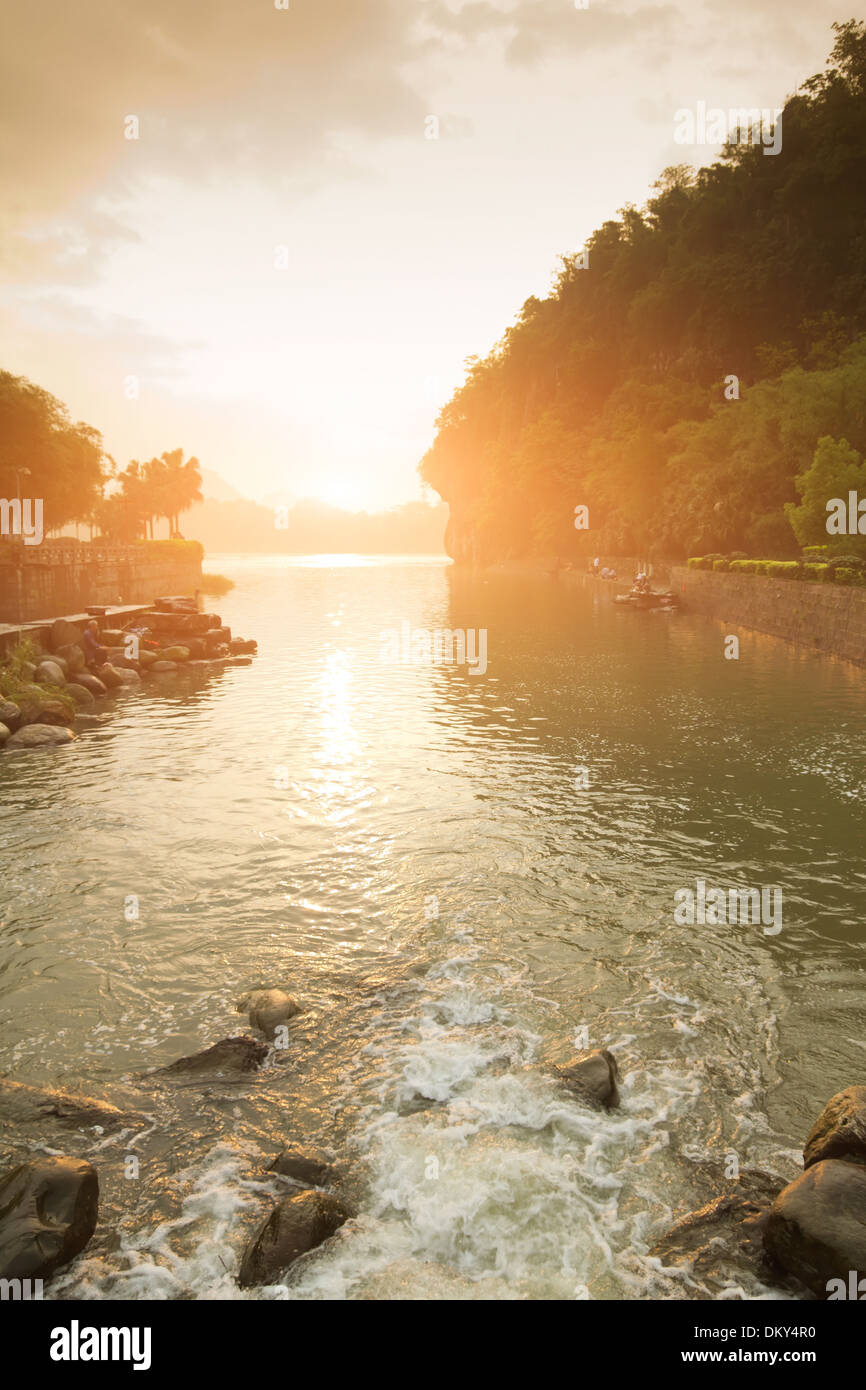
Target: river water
[{"x": 461, "y": 878}]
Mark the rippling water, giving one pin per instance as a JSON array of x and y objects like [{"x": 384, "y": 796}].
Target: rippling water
[{"x": 408, "y": 849}]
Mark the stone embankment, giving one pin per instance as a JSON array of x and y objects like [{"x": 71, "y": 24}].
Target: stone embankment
[{"x": 49, "y": 689}]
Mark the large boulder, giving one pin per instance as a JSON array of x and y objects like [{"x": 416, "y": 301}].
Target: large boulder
[
  {"x": 128, "y": 677},
  {"x": 307, "y": 1166},
  {"x": 4, "y": 734},
  {"x": 840, "y": 1129},
  {"x": 228, "y": 1060},
  {"x": 175, "y": 654},
  {"x": 65, "y": 634},
  {"x": 816, "y": 1229},
  {"x": 90, "y": 682},
  {"x": 161, "y": 667},
  {"x": 591, "y": 1076},
  {"x": 146, "y": 658},
  {"x": 50, "y": 673},
  {"x": 80, "y": 694},
  {"x": 268, "y": 1009},
  {"x": 296, "y": 1225},
  {"x": 74, "y": 657},
  {"x": 42, "y": 709},
  {"x": 40, "y": 736},
  {"x": 109, "y": 676},
  {"x": 48, "y": 1211},
  {"x": 10, "y": 714}
]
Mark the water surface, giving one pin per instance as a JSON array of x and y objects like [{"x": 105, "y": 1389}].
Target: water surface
[{"x": 411, "y": 851}]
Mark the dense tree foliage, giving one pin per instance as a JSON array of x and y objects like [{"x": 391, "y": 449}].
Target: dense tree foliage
[
  {"x": 616, "y": 391},
  {"x": 44, "y": 455}
]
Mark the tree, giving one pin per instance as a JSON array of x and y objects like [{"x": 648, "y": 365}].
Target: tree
[{"x": 836, "y": 471}]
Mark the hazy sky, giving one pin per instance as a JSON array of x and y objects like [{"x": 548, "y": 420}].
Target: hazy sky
[{"x": 291, "y": 268}]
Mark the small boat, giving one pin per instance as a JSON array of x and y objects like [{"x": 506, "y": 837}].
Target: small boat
[{"x": 646, "y": 599}]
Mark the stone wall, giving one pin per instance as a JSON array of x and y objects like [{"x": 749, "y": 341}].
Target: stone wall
[
  {"x": 828, "y": 618},
  {"x": 58, "y": 577}
]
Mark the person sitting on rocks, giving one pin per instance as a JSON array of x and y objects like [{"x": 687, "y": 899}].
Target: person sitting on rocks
[{"x": 94, "y": 654}]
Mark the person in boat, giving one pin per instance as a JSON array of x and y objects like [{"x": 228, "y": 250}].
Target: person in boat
[{"x": 94, "y": 654}]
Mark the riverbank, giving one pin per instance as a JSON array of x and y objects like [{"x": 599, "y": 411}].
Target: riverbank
[
  {"x": 64, "y": 576},
  {"x": 47, "y": 685}
]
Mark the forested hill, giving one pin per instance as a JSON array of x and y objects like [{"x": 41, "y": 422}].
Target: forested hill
[{"x": 614, "y": 392}]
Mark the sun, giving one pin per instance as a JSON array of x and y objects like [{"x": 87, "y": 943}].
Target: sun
[{"x": 339, "y": 490}]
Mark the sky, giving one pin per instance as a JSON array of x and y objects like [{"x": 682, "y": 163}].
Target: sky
[{"x": 285, "y": 272}]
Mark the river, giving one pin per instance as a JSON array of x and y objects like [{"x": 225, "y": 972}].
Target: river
[{"x": 461, "y": 877}]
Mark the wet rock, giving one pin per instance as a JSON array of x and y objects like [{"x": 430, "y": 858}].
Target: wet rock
[
  {"x": 727, "y": 1229},
  {"x": 40, "y": 736},
  {"x": 4, "y": 734},
  {"x": 175, "y": 654},
  {"x": 592, "y": 1077},
  {"x": 308, "y": 1166},
  {"x": 840, "y": 1129},
  {"x": 90, "y": 682},
  {"x": 146, "y": 658},
  {"x": 21, "y": 1104},
  {"x": 109, "y": 675},
  {"x": 227, "y": 1060},
  {"x": 128, "y": 677},
  {"x": 74, "y": 657},
  {"x": 80, "y": 694},
  {"x": 10, "y": 714},
  {"x": 160, "y": 666},
  {"x": 296, "y": 1225},
  {"x": 48, "y": 1211},
  {"x": 64, "y": 634},
  {"x": 50, "y": 673},
  {"x": 268, "y": 1009},
  {"x": 43, "y": 710},
  {"x": 816, "y": 1229}
]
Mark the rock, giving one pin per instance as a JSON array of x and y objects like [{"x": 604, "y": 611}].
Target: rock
[
  {"x": 196, "y": 648},
  {"x": 4, "y": 734},
  {"x": 50, "y": 673},
  {"x": 816, "y": 1229},
  {"x": 267, "y": 1009},
  {"x": 128, "y": 677},
  {"x": 10, "y": 714},
  {"x": 227, "y": 1060},
  {"x": 159, "y": 666},
  {"x": 175, "y": 654},
  {"x": 48, "y": 1211},
  {"x": 64, "y": 634},
  {"x": 728, "y": 1229},
  {"x": 43, "y": 710},
  {"x": 40, "y": 736},
  {"x": 121, "y": 662},
  {"x": 22, "y": 1104},
  {"x": 239, "y": 661},
  {"x": 112, "y": 637},
  {"x": 240, "y": 646},
  {"x": 296, "y": 1225},
  {"x": 307, "y": 1166},
  {"x": 90, "y": 682},
  {"x": 80, "y": 694},
  {"x": 74, "y": 657},
  {"x": 840, "y": 1129},
  {"x": 109, "y": 676},
  {"x": 592, "y": 1076}
]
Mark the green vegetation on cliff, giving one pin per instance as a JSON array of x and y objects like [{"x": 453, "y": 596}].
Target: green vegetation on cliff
[{"x": 617, "y": 391}]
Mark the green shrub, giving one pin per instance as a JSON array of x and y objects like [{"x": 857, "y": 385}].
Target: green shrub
[
  {"x": 218, "y": 584},
  {"x": 743, "y": 566},
  {"x": 815, "y": 573},
  {"x": 782, "y": 569},
  {"x": 721, "y": 566},
  {"x": 844, "y": 576}
]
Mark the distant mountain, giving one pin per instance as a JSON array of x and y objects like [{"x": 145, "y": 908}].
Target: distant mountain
[
  {"x": 237, "y": 524},
  {"x": 216, "y": 488}
]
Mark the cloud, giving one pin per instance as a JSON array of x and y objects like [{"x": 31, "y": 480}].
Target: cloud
[
  {"x": 537, "y": 29},
  {"x": 222, "y": 89}
]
